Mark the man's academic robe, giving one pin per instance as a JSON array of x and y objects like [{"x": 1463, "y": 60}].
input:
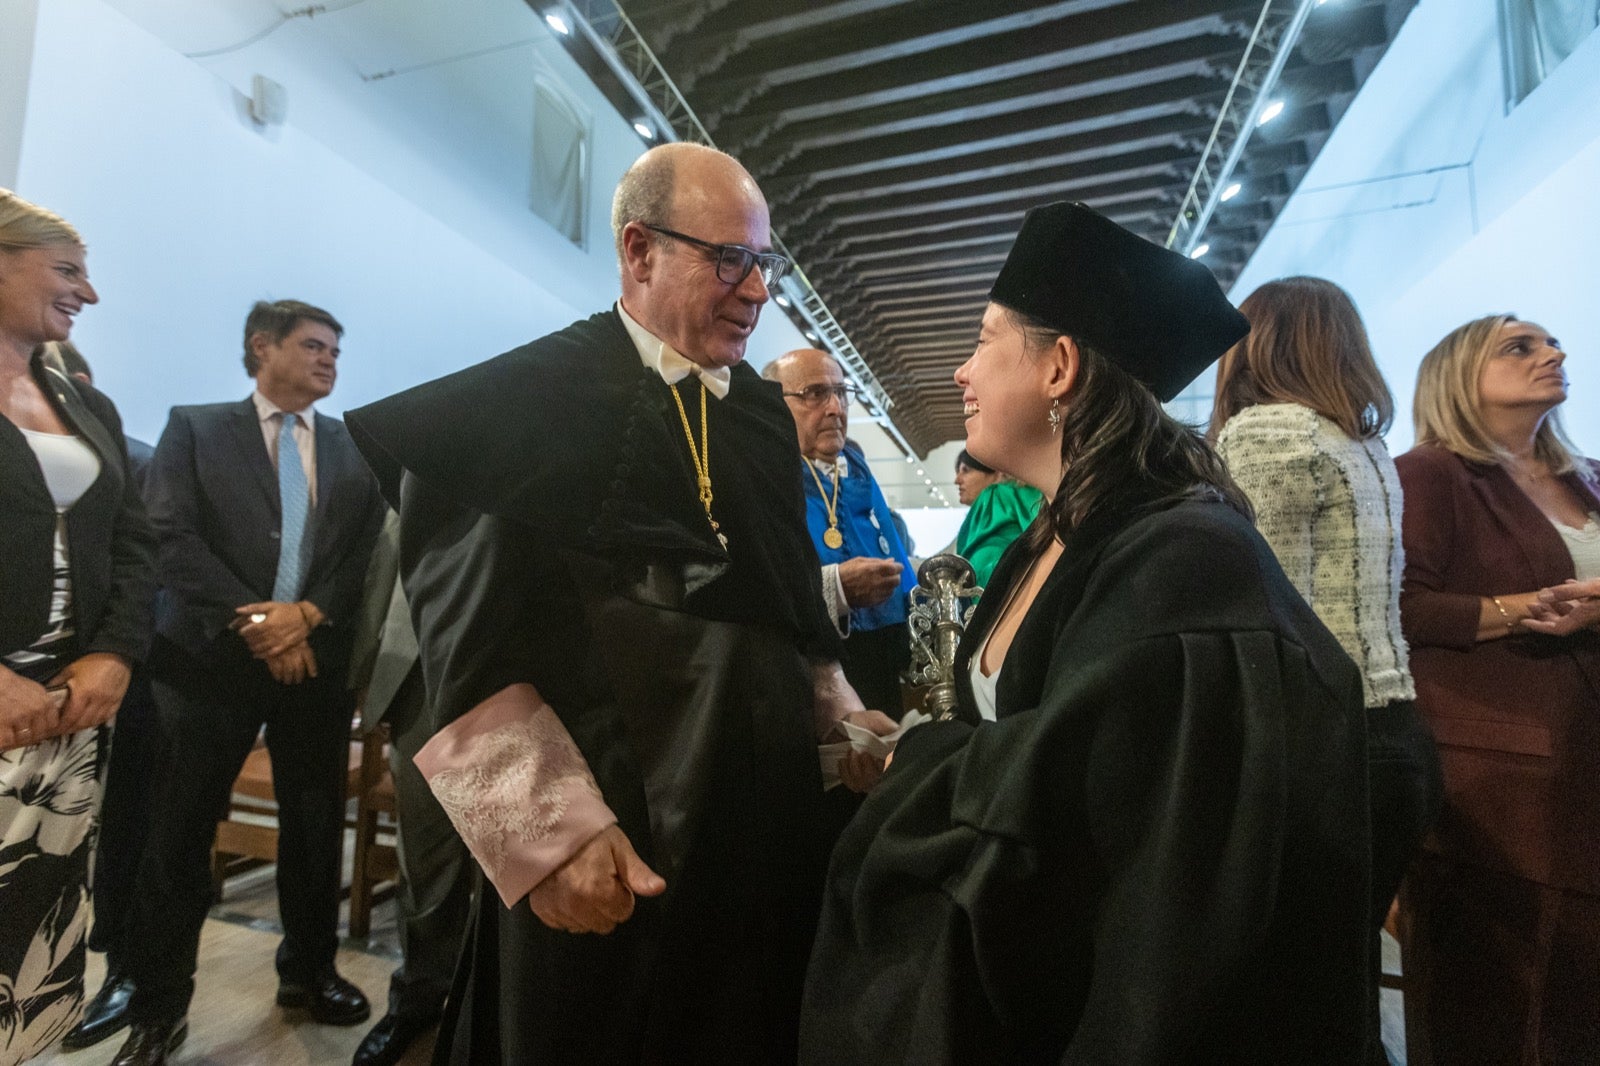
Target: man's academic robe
[
  {"x": 1157, "y": 854},
  {"x": 551, "y": 534}
]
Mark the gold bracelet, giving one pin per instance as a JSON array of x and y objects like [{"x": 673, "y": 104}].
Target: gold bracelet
[{"x": 1511, "y": 626}]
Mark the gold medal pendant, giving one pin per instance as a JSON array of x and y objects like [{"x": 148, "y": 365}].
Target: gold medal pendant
[{"x": 831, "y": 536}]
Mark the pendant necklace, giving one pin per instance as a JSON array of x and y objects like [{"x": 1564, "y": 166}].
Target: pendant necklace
[
  {"x": 701, "y": 457},
  {"x": 832, "y": 538}
]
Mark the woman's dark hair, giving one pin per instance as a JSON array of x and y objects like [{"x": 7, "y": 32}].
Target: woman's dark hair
[
  {"x": 965, "y": 459},
  {"x": 1119, "y": 446}
]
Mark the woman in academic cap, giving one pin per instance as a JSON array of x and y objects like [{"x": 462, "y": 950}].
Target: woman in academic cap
[{"x": 1157, "y": 852}]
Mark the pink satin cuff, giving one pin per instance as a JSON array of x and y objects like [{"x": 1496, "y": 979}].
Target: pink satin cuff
[{"x": 516, "y": 788}]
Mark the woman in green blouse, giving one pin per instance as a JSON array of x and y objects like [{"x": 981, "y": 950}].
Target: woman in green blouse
[{"x": 1000, "y": 509}]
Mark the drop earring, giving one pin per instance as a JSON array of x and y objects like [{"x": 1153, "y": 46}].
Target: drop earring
[{"x": 1054, "y": 417}]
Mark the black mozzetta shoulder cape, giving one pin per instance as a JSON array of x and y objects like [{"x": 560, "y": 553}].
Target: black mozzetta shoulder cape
[
  {"x": 575, "y": 442},
  {"x": 1157, "y": 854}
]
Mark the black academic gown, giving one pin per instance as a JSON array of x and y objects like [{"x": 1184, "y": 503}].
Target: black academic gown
[
  {"x": 551, "y": 534},
  {"x": 1157, "y": 854}
]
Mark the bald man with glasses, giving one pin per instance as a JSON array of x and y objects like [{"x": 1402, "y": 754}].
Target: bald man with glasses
[
  {"x": 623, "y": 644},
  {"x": 866, "y": 570}
]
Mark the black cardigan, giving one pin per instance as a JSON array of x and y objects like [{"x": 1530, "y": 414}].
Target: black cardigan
[{"x": 111, "y": 549}]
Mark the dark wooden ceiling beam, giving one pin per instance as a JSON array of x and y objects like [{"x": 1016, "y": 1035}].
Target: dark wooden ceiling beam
[
  {"x": 903, "y": 252},
  {"x": 1184, "y": 132},
  {"x": 831, "y": 37},
  {"x": 814, "y": 89},
  {"x": 929, "y": 226},
  {"x": 864, "y": 243},
  {"x": 1144, "y": 174},
  {"x": 691, "y": 58},
  {"x": 1148, "y": 72}
]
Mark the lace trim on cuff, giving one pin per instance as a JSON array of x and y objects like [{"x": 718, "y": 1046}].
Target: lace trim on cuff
[{"x": 508, "y": 775}]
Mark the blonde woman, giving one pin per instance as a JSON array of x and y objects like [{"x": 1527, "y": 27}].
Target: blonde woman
[
  {"x": 1501, "y": 511},
  {"x": 76, "y": 567}
]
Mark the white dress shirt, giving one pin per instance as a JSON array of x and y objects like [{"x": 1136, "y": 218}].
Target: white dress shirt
[{"x": 673, "y": 367}]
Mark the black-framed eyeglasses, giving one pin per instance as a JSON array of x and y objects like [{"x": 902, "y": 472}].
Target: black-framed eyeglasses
[
  {"x": 735, "y": 261},
  {"x": 817, "y": 395}
]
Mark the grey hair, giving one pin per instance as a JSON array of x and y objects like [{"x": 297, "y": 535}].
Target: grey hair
[{"x": 643, "y": 195}]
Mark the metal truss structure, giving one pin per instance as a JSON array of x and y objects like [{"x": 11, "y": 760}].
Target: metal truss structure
[{"x": 1271, "y": 42}]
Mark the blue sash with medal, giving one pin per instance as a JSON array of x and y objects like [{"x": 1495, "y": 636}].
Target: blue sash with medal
[{"x": 863, "y": 528}]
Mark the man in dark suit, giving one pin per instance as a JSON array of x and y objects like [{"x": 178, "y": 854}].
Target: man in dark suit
[
  {"x": 436, "y": 872},
  {"x": 266, "y": 516}
]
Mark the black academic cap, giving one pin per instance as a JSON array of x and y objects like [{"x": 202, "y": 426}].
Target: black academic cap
[{"x": 1157, "y": 314}]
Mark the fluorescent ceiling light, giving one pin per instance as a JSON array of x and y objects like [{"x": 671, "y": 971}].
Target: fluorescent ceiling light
[
  {"x": 1270, "y": 112},
  {"x": 557, "y": 23},
  {"x": 1231, "y": 191},
  {"x": 1199, "y": 251}
]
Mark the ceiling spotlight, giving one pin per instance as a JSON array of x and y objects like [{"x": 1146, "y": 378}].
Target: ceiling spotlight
[
  {"x": 557, "y": 23},
  {"x": 812, "y": 337},
  {"x": 909, "y": 459},
  {"x": 927, "y": 481},
  {"x": 1231, "y": 191},
  {"x": 1270, "y": 112},
  {"x": 919, "y": 471},
  {"x": 644, "y": 131},
  {"x": 1199, "y": 251},
  {"x": 781, "y": 300}
]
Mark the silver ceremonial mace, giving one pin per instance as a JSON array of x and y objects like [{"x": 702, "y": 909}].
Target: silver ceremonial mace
[{"x": 937, "y": 617}]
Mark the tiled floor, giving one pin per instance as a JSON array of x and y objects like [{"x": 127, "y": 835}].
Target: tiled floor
[{"x": 233, "y": 1020}]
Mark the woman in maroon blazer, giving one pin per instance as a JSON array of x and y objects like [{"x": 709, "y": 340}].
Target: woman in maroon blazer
[{"x": 1505, "y": 906}]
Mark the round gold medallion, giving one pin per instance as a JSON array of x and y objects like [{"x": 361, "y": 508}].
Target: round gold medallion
[{"x": 833, "y": 538}]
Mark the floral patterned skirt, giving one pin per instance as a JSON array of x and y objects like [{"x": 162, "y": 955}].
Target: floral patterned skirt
[{"x": 49, "y": 800}]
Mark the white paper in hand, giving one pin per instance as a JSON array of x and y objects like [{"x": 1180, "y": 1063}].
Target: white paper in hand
[{"x": 861, "y": 739}]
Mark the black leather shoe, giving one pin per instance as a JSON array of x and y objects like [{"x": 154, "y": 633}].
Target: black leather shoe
[
  {"x": 106, "y": 1013},
  {"x": 149, "y": 1045},
  {"x": 331, "y": 1000},
  {"x": 390, "y": 1038}
]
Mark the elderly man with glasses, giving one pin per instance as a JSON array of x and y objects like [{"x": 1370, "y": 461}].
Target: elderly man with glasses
[
  {"x": 866, "y": 571},
  {"x": 623, "y": 643}
]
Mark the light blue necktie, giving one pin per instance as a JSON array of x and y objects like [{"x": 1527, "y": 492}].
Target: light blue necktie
[{"x": 294, "y": 500}]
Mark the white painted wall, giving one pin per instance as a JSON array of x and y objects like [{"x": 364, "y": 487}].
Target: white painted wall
[
  {"x": 16, "y": 64},
  {"x": 1514, "y": 226},
  {"x": 191, "y": 213}
]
